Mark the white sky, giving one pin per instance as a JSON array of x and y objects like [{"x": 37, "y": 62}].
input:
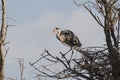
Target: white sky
[{"x": 32, "y": 31}]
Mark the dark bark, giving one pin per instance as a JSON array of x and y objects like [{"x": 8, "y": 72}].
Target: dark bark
[
  {"x": 112, "y": 48},
  {"x": 1, "y": 63}
]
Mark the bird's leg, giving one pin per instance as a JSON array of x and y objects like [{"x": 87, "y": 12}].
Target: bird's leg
[{"x": 71, "y": 55}]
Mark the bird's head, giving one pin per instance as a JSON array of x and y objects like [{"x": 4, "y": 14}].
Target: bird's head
[{"x": 56, "y": 31}]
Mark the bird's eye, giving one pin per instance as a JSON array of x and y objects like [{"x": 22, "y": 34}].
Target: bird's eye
[{"x": 56, "y": 28}]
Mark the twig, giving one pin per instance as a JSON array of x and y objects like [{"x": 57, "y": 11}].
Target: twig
[
  {"x": 96, "y": 18},
  {"x": 6, "y": 51}
]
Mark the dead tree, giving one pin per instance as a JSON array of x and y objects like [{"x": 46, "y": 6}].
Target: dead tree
[
  {"x": 90, "y": 63},
  {"x": 3, "y": 31},
  {"x": 110, "y": 14},
  {"x": 21, "y": 68}
]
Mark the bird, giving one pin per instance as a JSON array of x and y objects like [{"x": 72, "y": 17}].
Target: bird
[{"x": 67, "y": 37}]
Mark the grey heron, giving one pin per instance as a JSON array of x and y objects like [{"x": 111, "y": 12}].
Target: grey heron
[{"x": 67, "y": 37}]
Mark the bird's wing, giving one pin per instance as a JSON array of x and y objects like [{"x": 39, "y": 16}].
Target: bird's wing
[
  {"x": 68, "y": 34},
  {"x": 70, "y": 38}
]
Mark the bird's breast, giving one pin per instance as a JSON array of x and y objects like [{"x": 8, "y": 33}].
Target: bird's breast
[{"x": 61, "y": 38}]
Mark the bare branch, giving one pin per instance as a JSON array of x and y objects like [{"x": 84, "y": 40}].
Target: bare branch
[
  {"x": 21, "y": 68},
  {"x": 96, "y": 18},
  {"x": 6, "y": 52}
]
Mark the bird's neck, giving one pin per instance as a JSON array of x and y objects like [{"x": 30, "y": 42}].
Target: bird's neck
[{"x": 58, "y": 32}]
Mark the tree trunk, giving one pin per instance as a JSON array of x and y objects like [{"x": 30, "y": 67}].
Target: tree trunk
[
  {"x": 113, "y": 57},
  {"x": 1, "y": 62},
  {"x": 112, "y": 48},
  {"x": 2, "y": 39}
]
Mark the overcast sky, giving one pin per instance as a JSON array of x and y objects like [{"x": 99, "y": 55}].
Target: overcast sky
[{"x": 34, "y": 21}]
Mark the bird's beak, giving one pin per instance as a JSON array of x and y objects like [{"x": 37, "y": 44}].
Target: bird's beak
[{"x": 53, "y": 32}]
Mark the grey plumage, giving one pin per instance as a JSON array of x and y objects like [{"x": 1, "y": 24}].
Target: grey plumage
[{"x": 67, "y": 37}]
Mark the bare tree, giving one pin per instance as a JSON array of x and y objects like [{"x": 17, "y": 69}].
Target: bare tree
[
  {"x": 91, "y": 63},
  {"x": 3, "y": 32},
  {"x": 21, "y": 71},
  {"x": 21, "y": 68}
]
